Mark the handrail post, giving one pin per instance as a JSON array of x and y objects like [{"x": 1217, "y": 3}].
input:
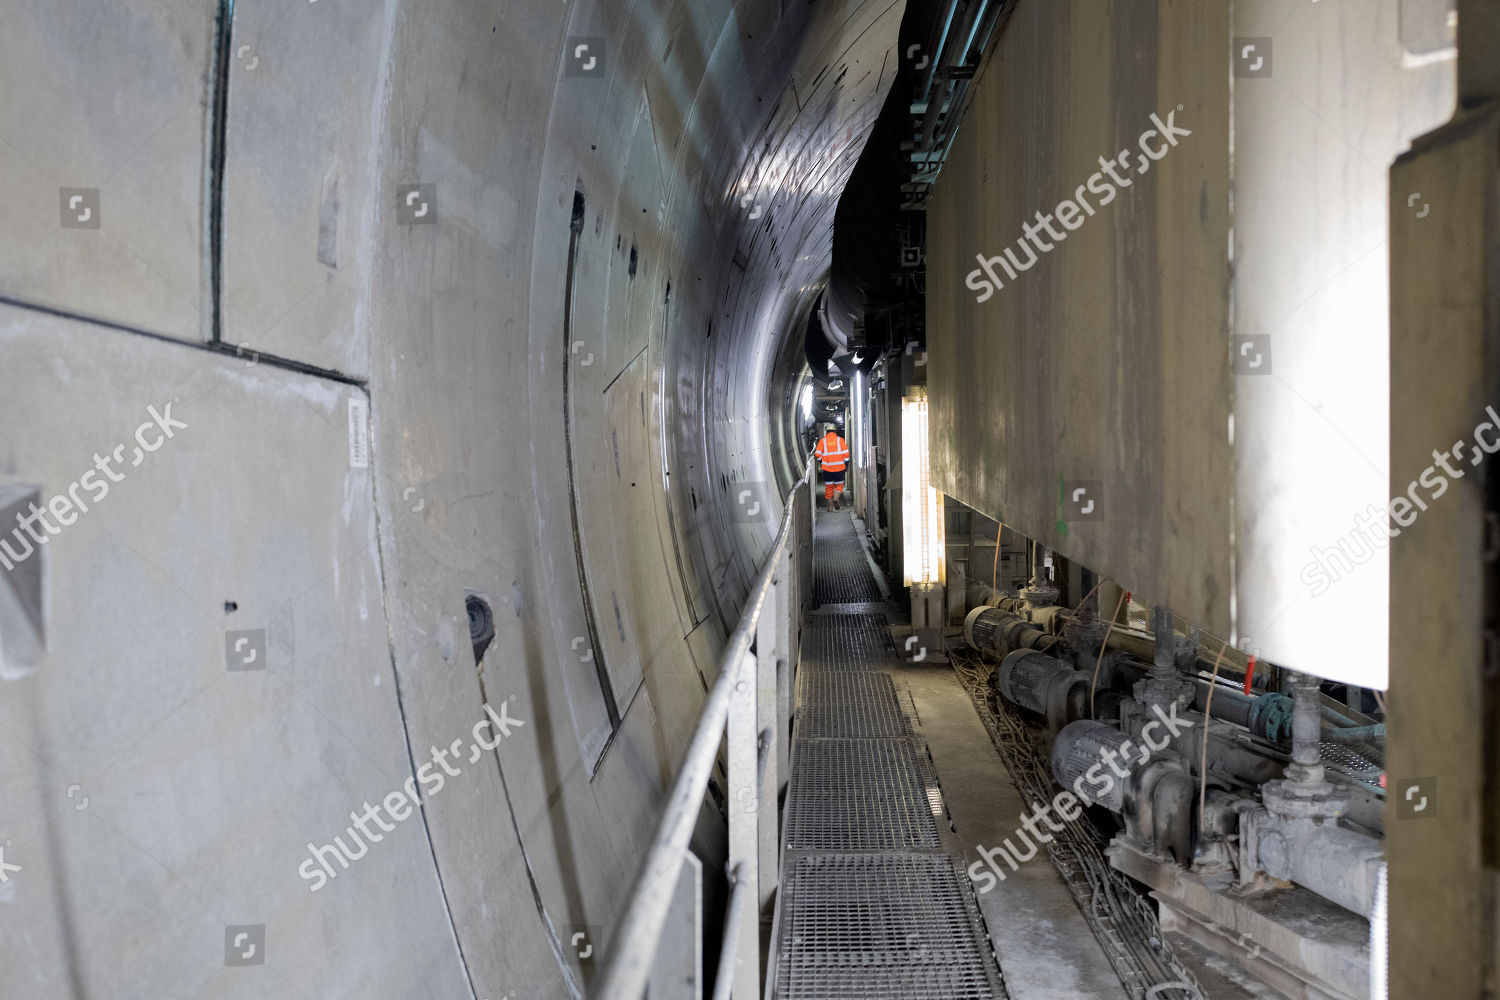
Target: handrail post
[
  {"x": 786, "y": 617},
  {"x": 805, "y": 571},
  {"x": 677, "y": 971},
  {"x": 769, "y": 656},
  {"x": 744, "y": 811},
  {"x": 734, "y": 921},
  {"x": 734, "y": 705}
]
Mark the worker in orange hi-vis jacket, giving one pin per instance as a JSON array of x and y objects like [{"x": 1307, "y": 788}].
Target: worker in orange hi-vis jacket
[{"x": 833, "y": 455}]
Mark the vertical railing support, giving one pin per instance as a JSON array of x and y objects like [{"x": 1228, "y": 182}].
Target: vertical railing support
[
  {"x": 677, "y": 973},
  {"x": 786, "y": 630},
  {"x": 751, "y": 702},
  {"x": 741, "y": 900},
  {"x": 744, "y": 814},
  {"x": 769, "y": 655},
  {"x": 809, "y": 538}
]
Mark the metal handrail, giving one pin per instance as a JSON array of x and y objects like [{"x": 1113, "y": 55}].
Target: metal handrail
[{"x": 633, "y": 950}]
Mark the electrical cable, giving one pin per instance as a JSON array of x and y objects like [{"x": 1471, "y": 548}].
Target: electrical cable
[
  {"x": 1122, "y": 920},
  {"x": 995, "y": 570},
  {"x": 1103, "y": 645},
  {"x": 1208, "y": 704}
]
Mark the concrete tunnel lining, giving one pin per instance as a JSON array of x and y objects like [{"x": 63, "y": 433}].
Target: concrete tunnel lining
[{"x": 451, "y": 334}]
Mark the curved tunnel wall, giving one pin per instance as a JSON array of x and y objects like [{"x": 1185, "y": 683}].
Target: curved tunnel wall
[{"x": 339, "y": 240}]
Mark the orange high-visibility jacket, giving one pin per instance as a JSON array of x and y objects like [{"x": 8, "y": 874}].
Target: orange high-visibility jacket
[{"x": 832, "y": 452}]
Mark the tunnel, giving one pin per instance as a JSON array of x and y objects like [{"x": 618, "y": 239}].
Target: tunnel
[{"x": 755, "y": 499}]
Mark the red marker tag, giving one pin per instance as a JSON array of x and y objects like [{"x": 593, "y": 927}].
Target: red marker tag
[{"x": 1249, "y": 673}]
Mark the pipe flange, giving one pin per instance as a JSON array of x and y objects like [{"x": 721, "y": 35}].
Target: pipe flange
[
  {"x": 1304, "y": 799},
  {"x": 1040, "y": 594},
  {"x": 1163, "y": 692},
  {"x": 1085, "y": 630},
  {"x": 1185, "y": 650},
  {"x": 1276, "y": 855},
  {"x": 1271, "y": 717}
]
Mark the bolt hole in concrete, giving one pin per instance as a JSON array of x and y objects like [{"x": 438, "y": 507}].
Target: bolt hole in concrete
[
  {"x": 481, "y": 624},
  {"x": 23, "y": 631}
]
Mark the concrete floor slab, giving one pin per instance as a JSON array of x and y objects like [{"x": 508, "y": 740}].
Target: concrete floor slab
[{"x": 1046, "y": 948}]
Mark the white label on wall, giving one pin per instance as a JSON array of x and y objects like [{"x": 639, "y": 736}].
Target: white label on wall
[{"x": 359, "y": 434}]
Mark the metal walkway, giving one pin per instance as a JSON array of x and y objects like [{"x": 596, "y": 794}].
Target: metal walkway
[
  {"x": 841, "y": 573},
  {"x": 871, "y": 907}
]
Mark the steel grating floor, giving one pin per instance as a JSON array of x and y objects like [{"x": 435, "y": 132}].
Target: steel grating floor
[
  {"x": 837, "y": 687},
  {"x": 878, "y": 926},
  {"x": 848, "y": 642},
  {"x": 871, "y": 906},
  {"x": 841, "y": 573},
  {"x": 851, "y": 707},
  {"x": 862, "y": 795},
  {"x": 1355, "y": 760}
]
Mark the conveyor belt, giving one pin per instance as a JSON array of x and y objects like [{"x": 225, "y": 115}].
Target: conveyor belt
[{"x": 871, "y": 906}]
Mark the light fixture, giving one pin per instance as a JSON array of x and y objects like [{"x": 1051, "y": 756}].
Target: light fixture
[
  {"x": 857, "y": 439},
  {"x": 923, "y": 561},
  {"x": 807, "y": 402}
]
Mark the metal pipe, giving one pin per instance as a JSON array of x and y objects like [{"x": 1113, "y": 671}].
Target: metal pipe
[
  {"x": 1307, "y": 728},
  {"x": 1228, "y": 704},
  {"x": 1338, "y": 718},
  {"x": 738, "y": 895},
  {"x": 1164, "y": 653},
  {"x": 630, "y": 959},
  {"x": 1356, "y": 734},
  {"x": 1337, "y": 863},
  {"x": 1379, "y": 938}
]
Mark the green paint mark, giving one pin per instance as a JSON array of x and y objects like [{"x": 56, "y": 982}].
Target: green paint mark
[{"x": 1062, "y": 489}]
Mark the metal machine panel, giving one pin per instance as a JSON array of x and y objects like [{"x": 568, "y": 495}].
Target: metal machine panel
[
  {"x": 1099, "y": 368},
  {"x": 1188, "y": 402}
]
